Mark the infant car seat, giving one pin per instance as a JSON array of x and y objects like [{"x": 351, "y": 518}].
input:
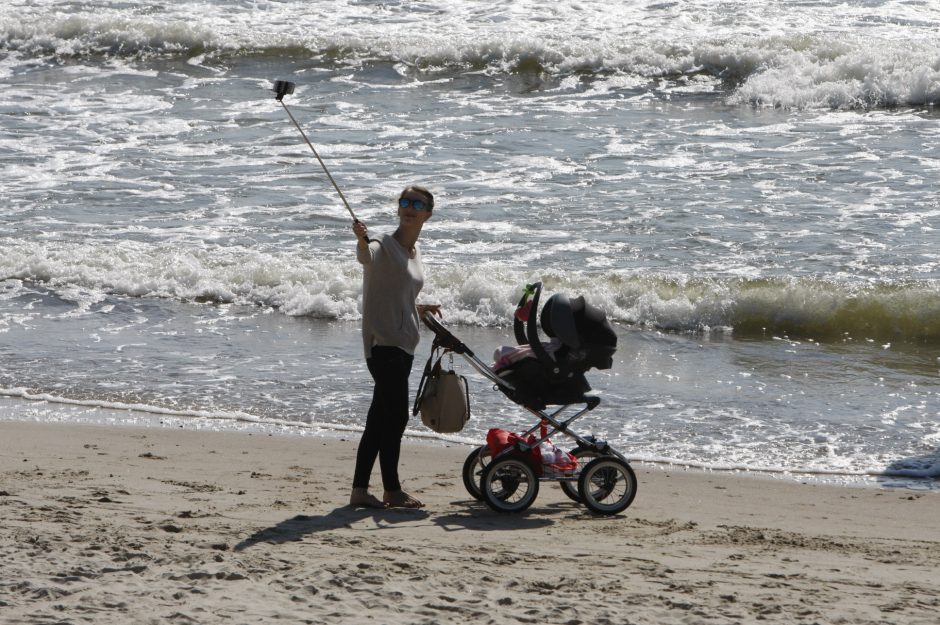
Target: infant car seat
[
  {"x": 557, "y": 378},
  {"x": 583, "y": 329}
]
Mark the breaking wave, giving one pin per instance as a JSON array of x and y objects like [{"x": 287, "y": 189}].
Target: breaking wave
[
  {"x": 798, "y": 70},
  {"x": 820, "y": 309}
]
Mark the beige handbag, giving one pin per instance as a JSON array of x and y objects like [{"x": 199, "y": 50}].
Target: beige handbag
[{"x": 443, "y": 398}]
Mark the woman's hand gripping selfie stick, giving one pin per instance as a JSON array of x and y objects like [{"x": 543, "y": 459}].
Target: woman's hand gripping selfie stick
[{"x": 283, "y": 88}]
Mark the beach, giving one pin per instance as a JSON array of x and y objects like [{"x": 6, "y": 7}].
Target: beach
[{"x": 127, "y": 524}]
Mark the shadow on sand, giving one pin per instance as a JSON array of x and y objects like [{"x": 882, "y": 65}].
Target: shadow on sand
[{"x": 478, "y": 518}]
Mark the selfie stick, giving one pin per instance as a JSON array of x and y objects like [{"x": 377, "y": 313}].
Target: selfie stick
[{"x": 283, "y": 88}]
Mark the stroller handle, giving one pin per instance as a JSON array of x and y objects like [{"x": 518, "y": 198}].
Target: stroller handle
[{"x": 443, "y": 336}]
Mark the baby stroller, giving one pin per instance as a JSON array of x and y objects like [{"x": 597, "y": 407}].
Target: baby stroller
[{"x": 506, "y": 472}]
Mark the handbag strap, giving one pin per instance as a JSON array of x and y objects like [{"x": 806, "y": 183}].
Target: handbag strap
[
  {"x": 432, "y": 369},
  {"x": 466, "y": 394}
]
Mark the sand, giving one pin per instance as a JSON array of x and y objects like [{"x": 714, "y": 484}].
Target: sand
[{"x": 137, "y": 525}]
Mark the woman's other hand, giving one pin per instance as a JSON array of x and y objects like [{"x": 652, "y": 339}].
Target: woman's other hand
[{"x": 434, "y": 309}]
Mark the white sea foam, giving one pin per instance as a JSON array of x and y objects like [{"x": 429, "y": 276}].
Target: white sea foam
[
  {"x": 485, "y": 294},
  {"x": 778, "y": 53}
]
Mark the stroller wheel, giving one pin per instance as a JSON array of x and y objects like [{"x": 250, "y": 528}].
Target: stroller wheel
[
  {"x": 473, "y": 468},
  {"x": 607, "y": 485},
  {"x": 584, "y": 456},
  {"x": 509, "y": 485}
]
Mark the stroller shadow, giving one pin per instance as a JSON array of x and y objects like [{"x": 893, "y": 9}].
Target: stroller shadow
[
  {"x": 295, "y": 528},
  {"x": 480, "y": 518}
]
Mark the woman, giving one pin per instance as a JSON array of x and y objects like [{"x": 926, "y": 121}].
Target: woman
[{"x": 392, "y": 278}]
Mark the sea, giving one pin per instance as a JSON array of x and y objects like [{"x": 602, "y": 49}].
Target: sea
[{"x": 748, "y": 190}]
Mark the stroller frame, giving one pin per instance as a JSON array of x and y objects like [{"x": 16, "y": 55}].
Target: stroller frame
[{"x": 509, "y": 480}]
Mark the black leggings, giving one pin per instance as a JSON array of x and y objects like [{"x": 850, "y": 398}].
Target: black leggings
[{"x": 388, "y": 416}]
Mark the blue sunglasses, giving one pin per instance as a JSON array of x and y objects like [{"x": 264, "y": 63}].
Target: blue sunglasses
[{"x": 418, "y": 205}]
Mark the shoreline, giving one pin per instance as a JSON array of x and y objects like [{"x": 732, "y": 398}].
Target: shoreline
[
  {"x": 22, "y": 409},
  {"x": 166, "y": 525}
]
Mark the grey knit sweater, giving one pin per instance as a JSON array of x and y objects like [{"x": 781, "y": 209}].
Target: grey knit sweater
[{"x": 390, "y": 285}]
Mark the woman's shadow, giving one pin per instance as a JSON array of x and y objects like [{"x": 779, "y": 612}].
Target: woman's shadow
[
  {"x": 295, "y": 528},
  {"x": 476, "y": 518}
]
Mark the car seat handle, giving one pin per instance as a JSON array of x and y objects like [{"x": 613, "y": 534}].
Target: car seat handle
[
  {"x": 523, "y": 313},
  {"x": 532, "y": 333}
]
